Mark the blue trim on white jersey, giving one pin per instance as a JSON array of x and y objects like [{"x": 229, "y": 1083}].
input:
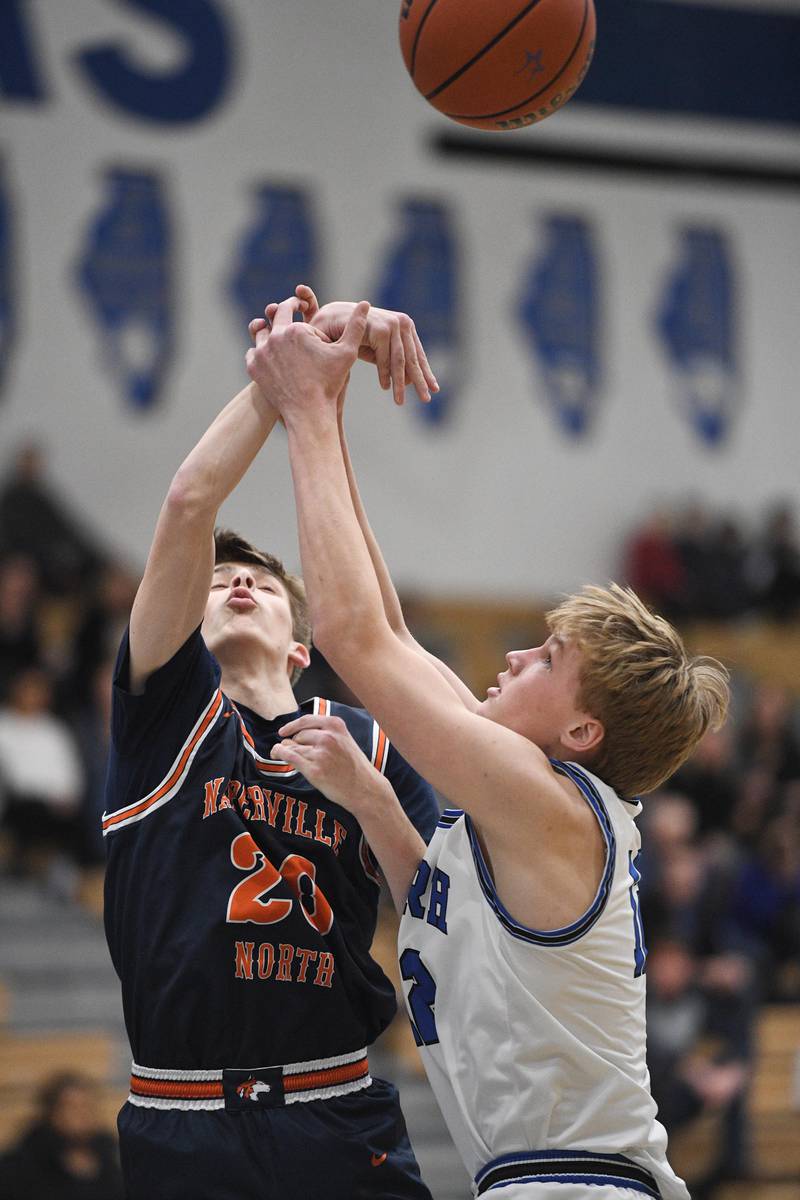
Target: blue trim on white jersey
[
  {"x": 567, "y": 933},
  {"x": 448, "y": 817},
  {"x": 563, "y": 1166}
]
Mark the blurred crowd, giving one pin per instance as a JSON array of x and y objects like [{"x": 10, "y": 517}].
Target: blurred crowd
[
  {"x": 720, "y": 889},
  {"x": 65, "y": 1153},
  {"x": 64, "y": 603},
  {"x": 720, "y": 867},
  {"x": 692, "y": 563}
]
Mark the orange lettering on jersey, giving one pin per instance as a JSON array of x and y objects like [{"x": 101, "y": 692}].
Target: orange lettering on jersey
[
  {"x": 287, "y": 820},
  {"x": 256, "y": 798},
  {"x": 285, "y": 956},
  {"x": 339, "y": 834},
  {"x": 324, "y": 969},
  {"x": 273, "y": 804},
  {"x": 244, "y": 960},
  {"x": 211, "y": 796},
  {"x": 266, "y": 960},
  {"x": 318, "y": 834},
  {"x": 299, "y": 826},
  {"x": 305, "y": 956},
  {"x": 235, "y": 790},
  {"x": 283, "y": 964}
]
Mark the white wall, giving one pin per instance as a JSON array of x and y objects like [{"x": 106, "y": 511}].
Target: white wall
[{"x": 497, "y": 502}]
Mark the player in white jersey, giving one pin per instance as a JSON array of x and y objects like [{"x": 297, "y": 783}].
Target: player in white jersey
[{"x": 521, "y": 944}]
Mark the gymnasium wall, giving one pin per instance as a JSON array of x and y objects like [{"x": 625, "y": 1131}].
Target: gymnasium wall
[{"x": 611, "y": 301}]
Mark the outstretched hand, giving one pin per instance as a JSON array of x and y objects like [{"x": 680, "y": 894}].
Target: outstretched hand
[
  {"x": 390, "y": 341},
  {"x": 323, "y": 750},
  {"x": 297, "y": 366}
]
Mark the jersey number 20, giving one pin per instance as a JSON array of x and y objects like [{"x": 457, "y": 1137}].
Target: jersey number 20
[{"x": 248, "y": 901}]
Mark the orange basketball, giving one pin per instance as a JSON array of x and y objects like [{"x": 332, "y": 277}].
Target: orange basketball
[{"x": 497, "y": 64}]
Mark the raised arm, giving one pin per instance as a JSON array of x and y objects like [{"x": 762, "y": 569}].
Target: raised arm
[
  {"x": 484, "y": 767},
  {"x": 172, "y": 596},
  {"x": 390, "y": 342}
]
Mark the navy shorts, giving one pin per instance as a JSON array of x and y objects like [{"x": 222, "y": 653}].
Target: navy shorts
[{"x": 352, "y": 1147}]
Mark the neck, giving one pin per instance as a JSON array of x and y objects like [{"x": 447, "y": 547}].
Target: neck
[{"x": 267, "y": 692}]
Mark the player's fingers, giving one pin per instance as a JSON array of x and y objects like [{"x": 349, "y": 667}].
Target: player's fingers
[
  {"x": 284, "y": 312},
  {"x": 311, "y": 721},
  {"x": 309, "y": 300},
  {"x": 354, "y": 330},
  {"x": 383, "y": 357},
  {"x": 422, "y": 357},
  {"x": 256, "y": 326},
  {"x": 398, "y": 366},
  {"x": 414, "y": 372},
  {"x": 310, "y": 737},
  {"x": 289, "y": 752}
]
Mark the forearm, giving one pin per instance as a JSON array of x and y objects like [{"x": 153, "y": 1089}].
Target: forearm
[
  {"x": 391, "y": 601},
  {"x": 344, "y": 595},
  {"x": 226, "y": 450},
  {"x": 394, "y": 841},
  {"x": 172, "y": 596}
]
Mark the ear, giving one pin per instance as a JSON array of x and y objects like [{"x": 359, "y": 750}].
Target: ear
[
  {"x": 299, "y": 657},
  {"x": 585, "y": 735}
]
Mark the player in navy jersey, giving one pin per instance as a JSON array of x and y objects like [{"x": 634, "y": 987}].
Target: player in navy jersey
[{"x": 241, "y": 896}]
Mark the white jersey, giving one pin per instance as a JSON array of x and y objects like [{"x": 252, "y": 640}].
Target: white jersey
[{"x": 534, "y": 1042}]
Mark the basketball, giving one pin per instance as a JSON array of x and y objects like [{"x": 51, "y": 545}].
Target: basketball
[{"x": 497, "y": 65}]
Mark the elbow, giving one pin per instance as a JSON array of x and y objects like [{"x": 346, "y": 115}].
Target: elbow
[
  {"x": 188, "y": 498},
  {"x": 333, "y": 636},
  {"x": 345, "y": 637}
]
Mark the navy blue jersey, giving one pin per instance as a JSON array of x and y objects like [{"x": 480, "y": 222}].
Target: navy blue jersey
[{"x": 240, "y": 902}]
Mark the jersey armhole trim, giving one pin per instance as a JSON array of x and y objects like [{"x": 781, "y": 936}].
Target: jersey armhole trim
[
  {"x": 567, "y": 934},
  {"x": 171, "y": 784}
]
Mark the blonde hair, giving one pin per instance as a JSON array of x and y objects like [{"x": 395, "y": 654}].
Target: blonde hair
[
  {"x": 230, "y": 546},
  {"x": 655, "y": 701}
]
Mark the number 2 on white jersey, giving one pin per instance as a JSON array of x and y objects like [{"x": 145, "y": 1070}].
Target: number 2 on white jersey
[{"x": 421, "y": 997}]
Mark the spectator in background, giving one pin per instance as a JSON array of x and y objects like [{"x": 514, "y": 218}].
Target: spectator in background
[
  {"x": 692, "y": 537},
  {"x": 775, "y": 565},
  {"x": 19, "y": 595},
  {"x": 768, "y": 739},
  {"x": 100, "y": 630},
  {"x": 690, "y": 1000},
  {"x": 34, "y": 520},
  {"x": 726, "y": 592},
  {"x": 710, "y": 781},
  {"x": 92, "y": 725},
  {"x": 65, "y": 1155},
  {"x": 764, "y": 918},
  {"x": 43, "y": 779},
  {"x": 653, "y": 566}
]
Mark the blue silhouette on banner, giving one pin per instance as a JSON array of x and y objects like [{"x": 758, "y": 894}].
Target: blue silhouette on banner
[
  {"x": 559, "y": 313},
  {"x": 126, "y": 273},
  {"x": 278, "y": 252},
  {"x": 420, "y": 277},
  {"x": 6, "y": 278},
  {"x": 696, "y": 322}
]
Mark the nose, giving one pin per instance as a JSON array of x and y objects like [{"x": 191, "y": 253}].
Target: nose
[
  {"x": 517, "y": 659},
  {"x": 243, "y": 579}
]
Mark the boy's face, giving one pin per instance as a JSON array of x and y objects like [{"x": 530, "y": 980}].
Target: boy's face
[
  {"x": 538, "y": 696},
  {"x": 247, "y": 604}
]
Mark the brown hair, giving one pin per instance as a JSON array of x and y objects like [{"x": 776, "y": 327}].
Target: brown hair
[
  {"x": 232, "y": 547},
  {"x": 654, "y": 699}
]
